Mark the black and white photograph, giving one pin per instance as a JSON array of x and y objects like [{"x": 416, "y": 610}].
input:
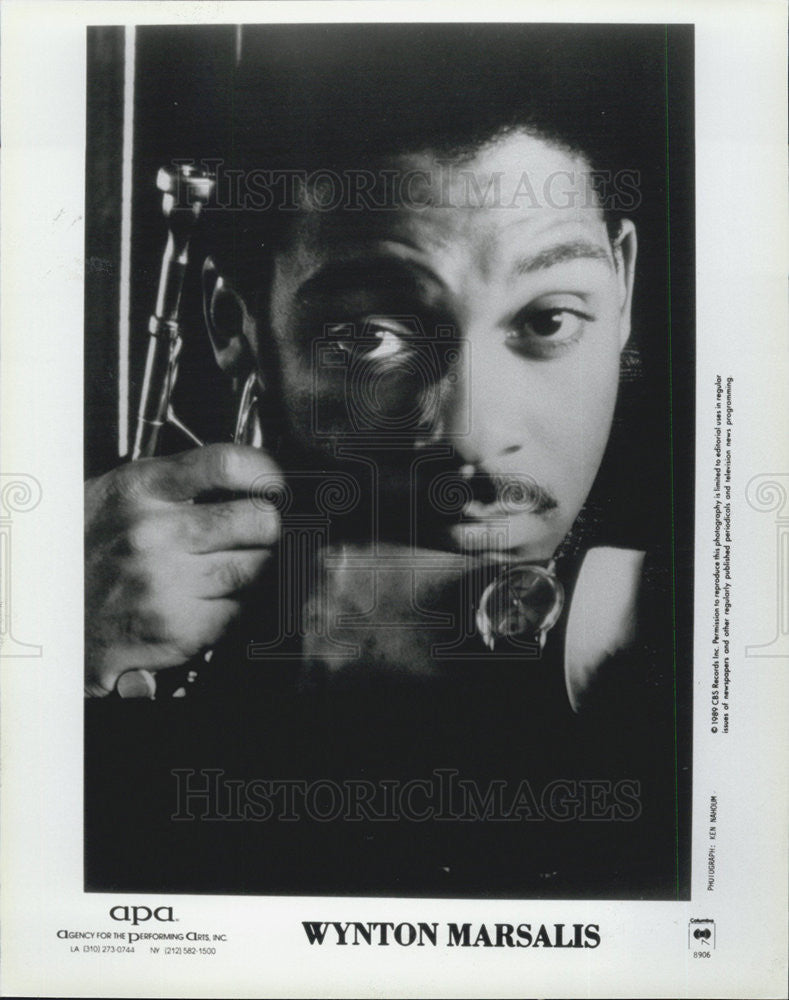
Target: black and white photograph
[{"x": 388, "y": 434}]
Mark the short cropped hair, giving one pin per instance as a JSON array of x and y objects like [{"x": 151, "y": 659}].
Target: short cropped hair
[{"x": 342, "y": 96}]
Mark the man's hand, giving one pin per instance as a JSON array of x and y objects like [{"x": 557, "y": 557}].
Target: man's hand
[{"x": 164, "y": 575}]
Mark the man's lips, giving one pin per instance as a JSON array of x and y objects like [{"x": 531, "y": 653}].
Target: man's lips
[
  {"x": 478, "y": 512},
  {"x": 486, "y": 496}
]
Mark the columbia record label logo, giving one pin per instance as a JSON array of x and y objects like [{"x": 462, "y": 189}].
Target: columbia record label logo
[{"x": 701, "y": 933}]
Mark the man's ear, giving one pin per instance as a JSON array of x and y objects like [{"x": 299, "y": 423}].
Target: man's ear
[
  {"x": 229, "y": 323},
  {"x": 625, "y": 248}
]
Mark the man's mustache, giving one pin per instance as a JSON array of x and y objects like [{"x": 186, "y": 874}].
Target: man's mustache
[
  {"x": 451, "y": 493},
  {"x": 448, "y": 494}
]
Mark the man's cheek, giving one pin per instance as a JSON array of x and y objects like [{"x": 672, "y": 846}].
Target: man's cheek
[
  {"x": 574, "y": 441},
  {"x": 367, "y": 400}
]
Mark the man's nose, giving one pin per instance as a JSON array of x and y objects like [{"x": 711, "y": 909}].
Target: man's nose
[{"x": 481, "y": 413}]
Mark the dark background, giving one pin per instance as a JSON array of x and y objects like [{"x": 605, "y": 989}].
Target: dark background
[{"x": 644, "y": 494}]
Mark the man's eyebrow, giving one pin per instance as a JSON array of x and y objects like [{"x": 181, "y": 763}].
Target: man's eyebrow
[
  {"x": 558, "y": 254},
  {"x": 381, "y": 269}
]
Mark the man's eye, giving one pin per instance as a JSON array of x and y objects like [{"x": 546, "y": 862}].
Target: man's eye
[
  {"x": 544, "y": 332},
  {"x": 376, "y": 340},
  {"x": 383, "y": 342}
]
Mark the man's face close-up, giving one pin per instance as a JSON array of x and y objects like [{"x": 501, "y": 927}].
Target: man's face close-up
[{"x": 486, "y": 311}]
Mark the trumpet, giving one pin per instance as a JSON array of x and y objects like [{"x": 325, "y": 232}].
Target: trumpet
[{"x": 186, "y": 192}]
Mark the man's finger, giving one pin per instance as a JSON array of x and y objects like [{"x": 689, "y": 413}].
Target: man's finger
[
  {"x": 196, "y": 627},
  {"x": 207, "y": 527},
  {"x": 224, "y": 574},
  {"x": 231, "y": 467}
]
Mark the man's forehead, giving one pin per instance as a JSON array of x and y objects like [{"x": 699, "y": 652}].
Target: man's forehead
[
  {"x": 503, "y": 172},
  {"x": 438, "y": 238},
  {"x": 513, "y": 193}
]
